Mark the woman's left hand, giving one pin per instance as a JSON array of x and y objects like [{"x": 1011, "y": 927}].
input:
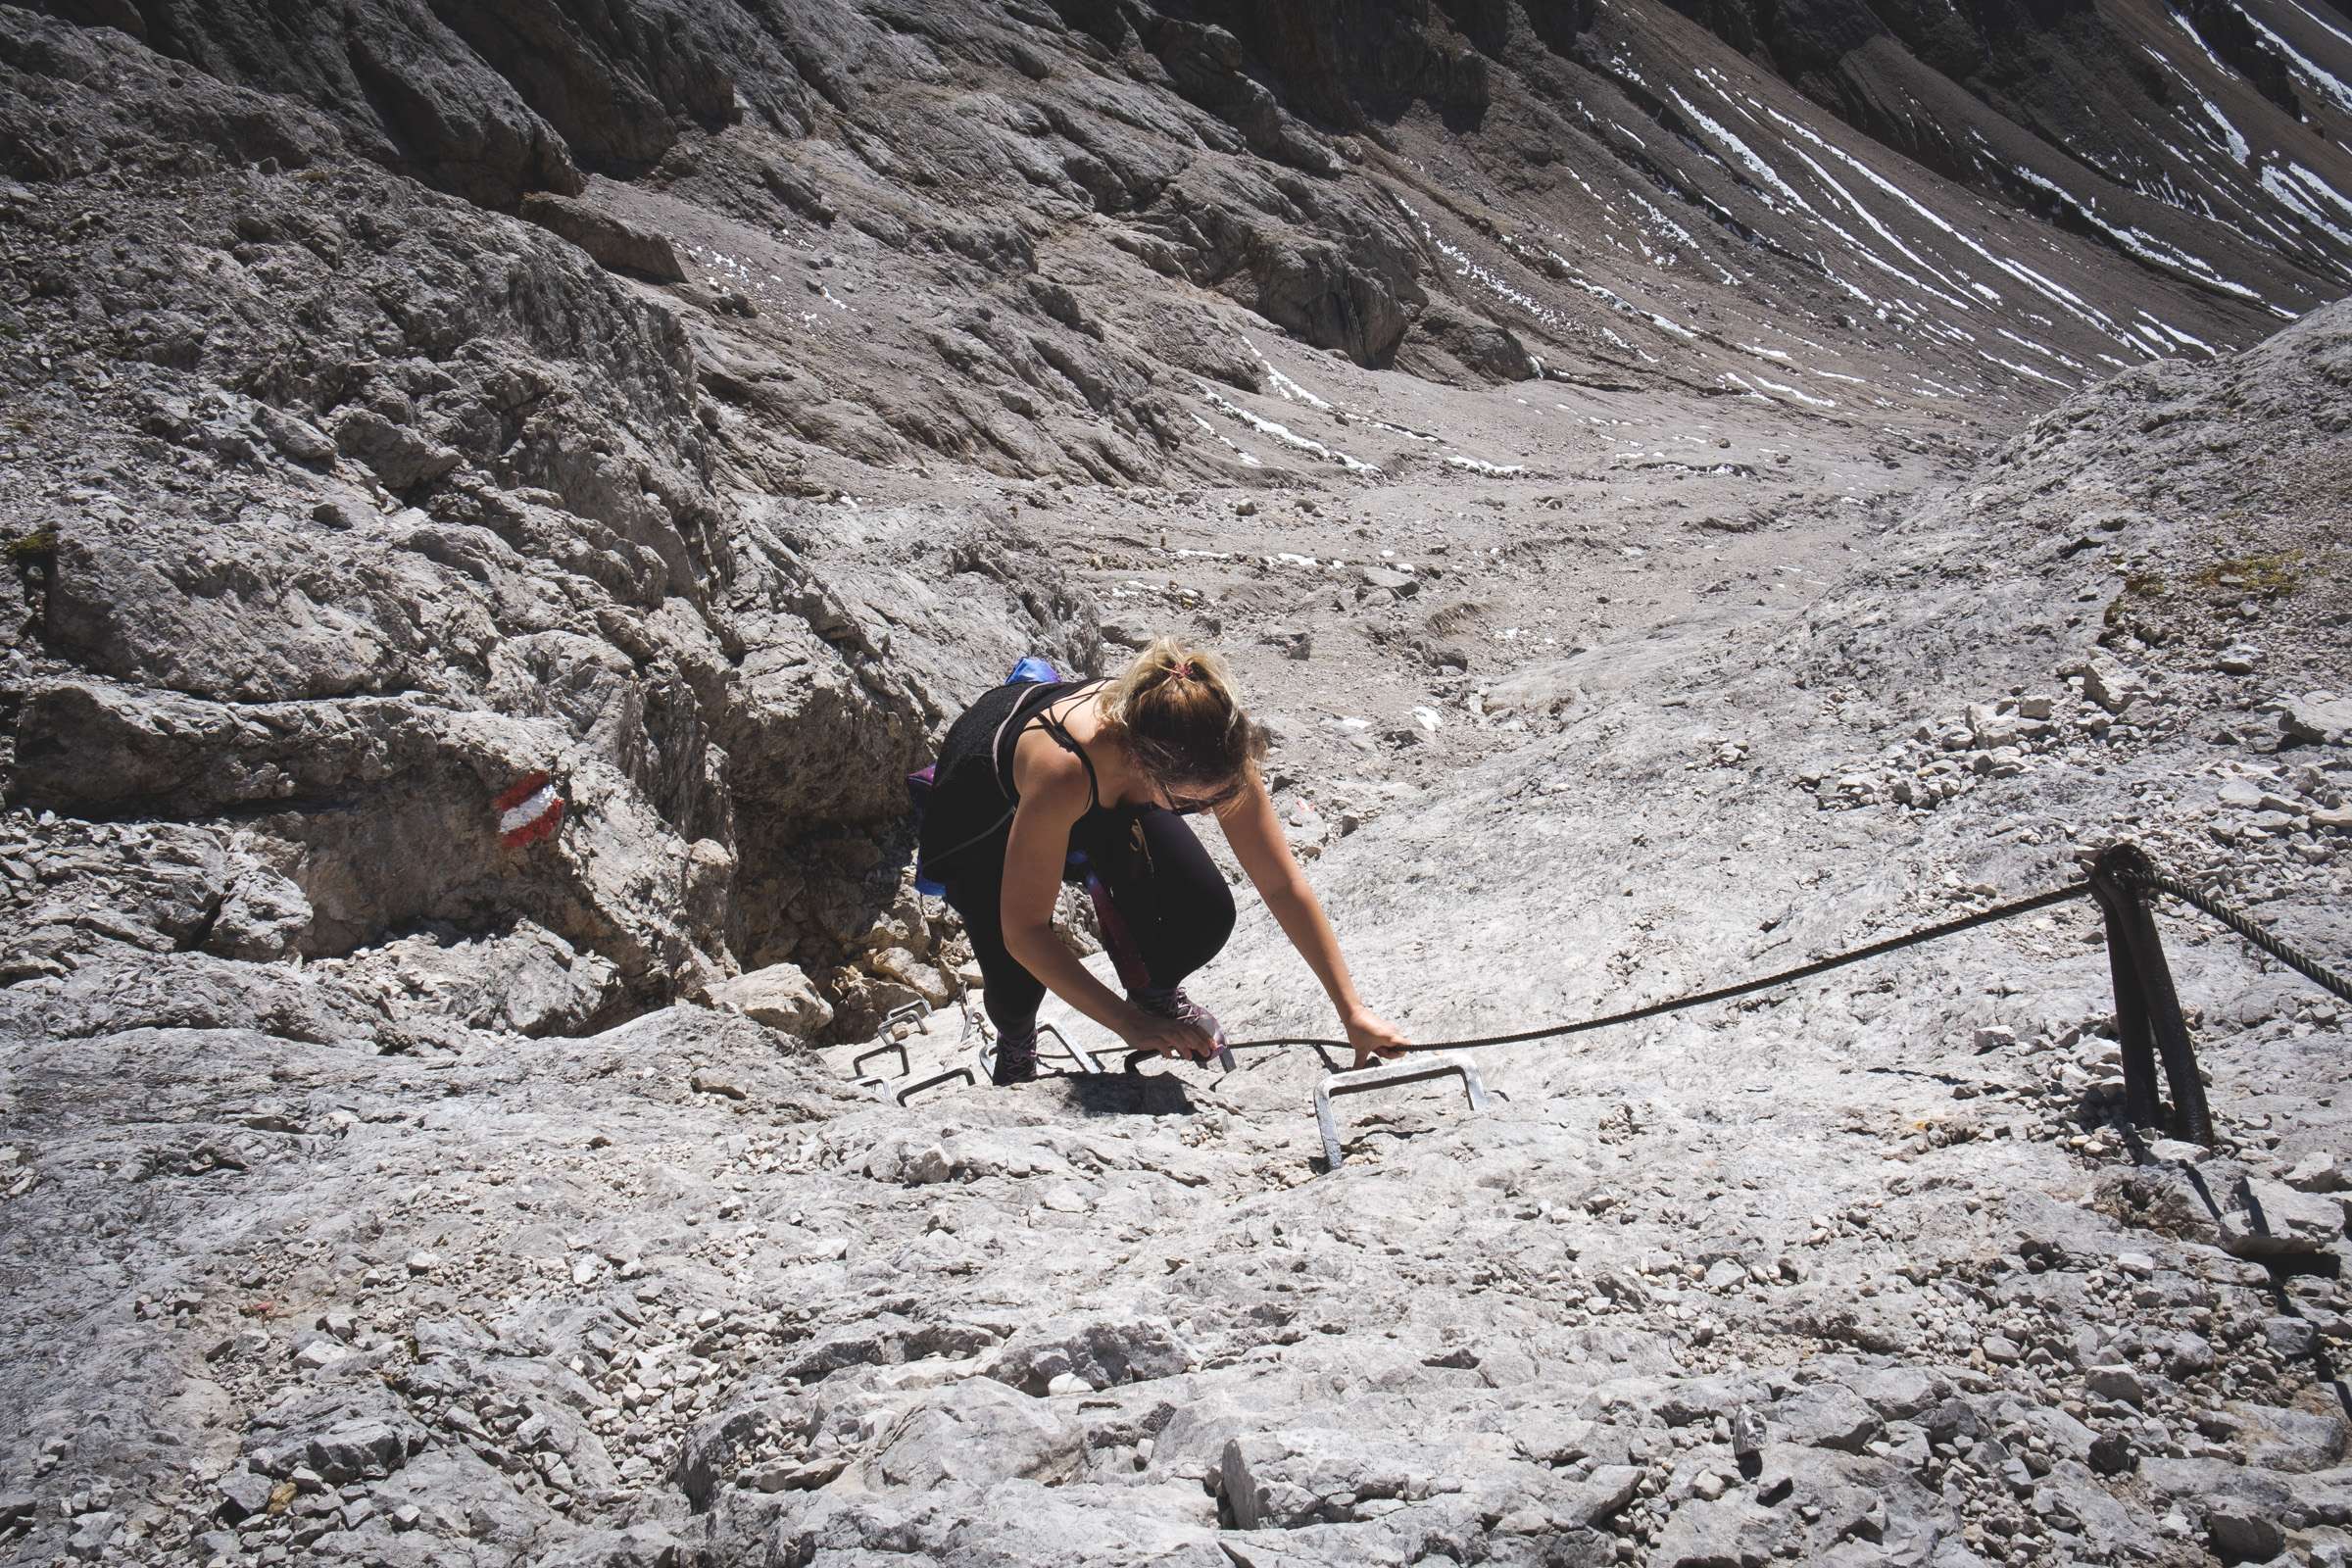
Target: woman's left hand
[{"x": 1375, "y": 1038}]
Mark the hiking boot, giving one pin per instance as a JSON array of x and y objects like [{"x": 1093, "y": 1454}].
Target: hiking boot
[
  {"x": 1173, "y": 1005},
  {"x": 1016, "y": 1060}
]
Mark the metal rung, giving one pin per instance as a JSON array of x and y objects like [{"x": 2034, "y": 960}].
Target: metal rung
[
  {"x": 987, "y": 1051},
  {"x": 883, "y": 1048},
  {"x": 1136, "y": 1058},
  {"x": 902, "y": 1021},
  {"x": 933, "y": 1082},
  {"x": 1404, "y": 1072}
]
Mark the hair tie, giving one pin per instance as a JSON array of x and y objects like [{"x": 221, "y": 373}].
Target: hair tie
[{"x": 1186, "y": 672}]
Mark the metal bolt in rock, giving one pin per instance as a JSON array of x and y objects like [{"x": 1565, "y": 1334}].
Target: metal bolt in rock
[{"x": 1370, "y": 1078}]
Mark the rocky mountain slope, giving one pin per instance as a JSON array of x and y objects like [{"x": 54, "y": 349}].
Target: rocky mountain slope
[{"x": 1612, "y": 443}]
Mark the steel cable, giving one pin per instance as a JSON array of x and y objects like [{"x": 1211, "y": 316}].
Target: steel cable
[
  {"x": 1804, "y": 971},
  {"x": 2239, "y": 921}
]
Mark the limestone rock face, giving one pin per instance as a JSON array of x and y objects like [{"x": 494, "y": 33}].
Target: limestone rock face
[
  {"x": 471, "y": 529},
  {"x": 406, "y": 89}
]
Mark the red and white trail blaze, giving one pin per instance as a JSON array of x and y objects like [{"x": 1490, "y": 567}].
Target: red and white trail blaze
[{"x": 529, "y": 809}]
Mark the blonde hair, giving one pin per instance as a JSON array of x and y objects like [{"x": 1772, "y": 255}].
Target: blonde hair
[{"x": 1181, "y": 718}]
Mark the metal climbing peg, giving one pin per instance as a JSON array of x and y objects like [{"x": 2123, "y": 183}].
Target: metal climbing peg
[
  {"x": 1337, "y": 1083},
  {"x": 883, "y": 1048},
  {"x": 1137, "y": 1059},
  {"x": 902, "y": 1021},
  {"x": 936, "y": 1080},
  {"x": 986, "y": 1052}
]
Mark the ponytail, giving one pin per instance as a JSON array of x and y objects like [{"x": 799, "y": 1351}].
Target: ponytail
[{"x": 1177, "y": 710}]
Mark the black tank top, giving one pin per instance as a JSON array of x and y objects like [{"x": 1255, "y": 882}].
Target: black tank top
[{"x": 967, "y": 821}]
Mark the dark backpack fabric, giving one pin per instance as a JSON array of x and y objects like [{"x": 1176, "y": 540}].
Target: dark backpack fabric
[{"x": 967, "y": 813}]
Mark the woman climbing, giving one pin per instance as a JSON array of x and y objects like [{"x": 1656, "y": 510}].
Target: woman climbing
[{"x": 1044, "y": 782}]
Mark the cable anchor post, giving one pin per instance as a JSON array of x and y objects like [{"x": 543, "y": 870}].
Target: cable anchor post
[{"x": 2147, "y": 1008}]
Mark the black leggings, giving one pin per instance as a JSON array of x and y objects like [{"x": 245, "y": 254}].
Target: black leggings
[{"x": 1164, "y": 890}]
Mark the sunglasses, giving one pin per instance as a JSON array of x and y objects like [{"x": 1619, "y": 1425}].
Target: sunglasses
[{"x": 1185, "y": 803}]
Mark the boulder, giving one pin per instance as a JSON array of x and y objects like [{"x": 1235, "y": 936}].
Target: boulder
[
  {"x": 1829, "y": 1415},
  {"x": 975, "y": 1432},
  {"x": 901, "y": 965},
  {"x": 400, "y": 457},
  {"x": 264, "y": 917},
  {"x": 2110, "y": 683},
  {"x": 779, "y": 996},
  {"x": 340, "y": 1434},
  {"x": 2317, "y": 1172},
  {"x": 1106, "y": 1354},
  {"x": 2317, "y": 719},
  {"x": 1300, "y": 1477},
  {"x": 615, "y": 243},
  {"x": 2271, "y": 1219}
]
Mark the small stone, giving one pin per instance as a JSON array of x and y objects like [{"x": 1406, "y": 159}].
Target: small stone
[
  {"x": 2240, "y": 794},
  {"x": 2317, "y": 1173},
  {"x": 2316, "y": 719},
  {"x": 1747, "y": 1433},
  {"x": 319, "y": 1354},
  {"x": 712, "y": 1081},
  {"x": 2111, "y": 684},
  {"x": 1400, "y": 583},
  {"x": 1068, "y": 1383},
  {"x": 806, "y": 1476},
  {"x": 2241, "y": 1530},
  {"x": 2116, "y": 1382},
  {"x": 2271, "y": 1219},
  {"x": 2290, "y": 1338},
  {"x": 422, "y": 1262},
  {"x": 242, "y": 1496}
]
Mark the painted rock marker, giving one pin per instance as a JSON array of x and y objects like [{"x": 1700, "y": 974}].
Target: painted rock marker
[{"x": 529, "y": 809}]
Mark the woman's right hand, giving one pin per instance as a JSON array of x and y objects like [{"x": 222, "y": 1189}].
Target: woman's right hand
[{"x": 1166, "y": 1037}]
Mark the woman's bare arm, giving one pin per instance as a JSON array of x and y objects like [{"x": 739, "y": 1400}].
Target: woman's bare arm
[{"x": 1255, "y": 834}]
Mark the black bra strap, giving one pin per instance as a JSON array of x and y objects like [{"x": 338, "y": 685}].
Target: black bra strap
[
  {"x": 1044, "y": 714},
  {"x": 1069, "y": 743}
]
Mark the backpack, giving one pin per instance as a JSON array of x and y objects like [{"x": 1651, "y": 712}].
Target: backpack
[{"x": 1030, "y": 670}]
